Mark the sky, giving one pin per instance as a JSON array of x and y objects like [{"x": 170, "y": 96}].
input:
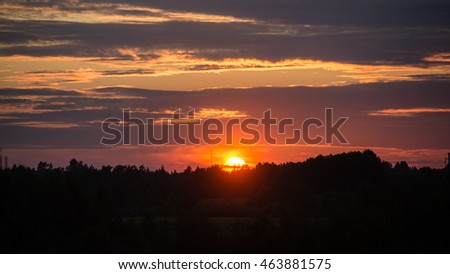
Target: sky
[{"x": 65, "y": 66}]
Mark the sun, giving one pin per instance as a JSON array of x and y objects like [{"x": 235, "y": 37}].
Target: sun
[{"x": 235, "y": 162}]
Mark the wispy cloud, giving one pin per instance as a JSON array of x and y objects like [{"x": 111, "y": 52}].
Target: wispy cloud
[
  {"x": 82, "y": 12},
  {"x": 409, "y": 112},
  {"x": 438, "y": 57},
  {"x": 189, "y": 70},
  {"x": 37, "y": 124}
]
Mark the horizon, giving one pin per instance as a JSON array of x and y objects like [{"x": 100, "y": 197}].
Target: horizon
[{"x": 225, "y": 166}]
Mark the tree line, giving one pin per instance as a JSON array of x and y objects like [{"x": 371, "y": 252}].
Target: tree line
[{"x": 347, "y": 203}]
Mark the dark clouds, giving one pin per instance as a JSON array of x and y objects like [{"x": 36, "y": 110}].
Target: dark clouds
[
  {"x": 37, "y": 92},
  {"x": 372, "y": 13},
  {"x": 421, "y": 130},
  {"x": 399, "y": 31},
  {"x": 236, "y": 40},
  {"x": 407, "y": 13}
]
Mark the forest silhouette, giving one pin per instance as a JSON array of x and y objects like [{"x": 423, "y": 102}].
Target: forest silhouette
[{"x": 347, "y": 203}]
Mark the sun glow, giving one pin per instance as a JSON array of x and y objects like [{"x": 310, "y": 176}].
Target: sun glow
[{"x": 235, "y": 162}]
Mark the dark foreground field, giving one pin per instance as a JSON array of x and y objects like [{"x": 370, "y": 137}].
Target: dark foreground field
[{"x": 347, "y": 203}]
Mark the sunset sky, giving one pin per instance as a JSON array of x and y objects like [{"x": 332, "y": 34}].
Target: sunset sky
[{"x": 65, "y": 66}]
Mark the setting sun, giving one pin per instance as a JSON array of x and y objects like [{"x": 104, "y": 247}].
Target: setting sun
[{"x": 235, "y": 162}]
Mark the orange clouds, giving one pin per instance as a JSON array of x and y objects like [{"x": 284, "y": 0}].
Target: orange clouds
[
  {"x": 408, "y": 112},
  {"x": 107, "y": 13},
  {"x": 181, "y": 70}
]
